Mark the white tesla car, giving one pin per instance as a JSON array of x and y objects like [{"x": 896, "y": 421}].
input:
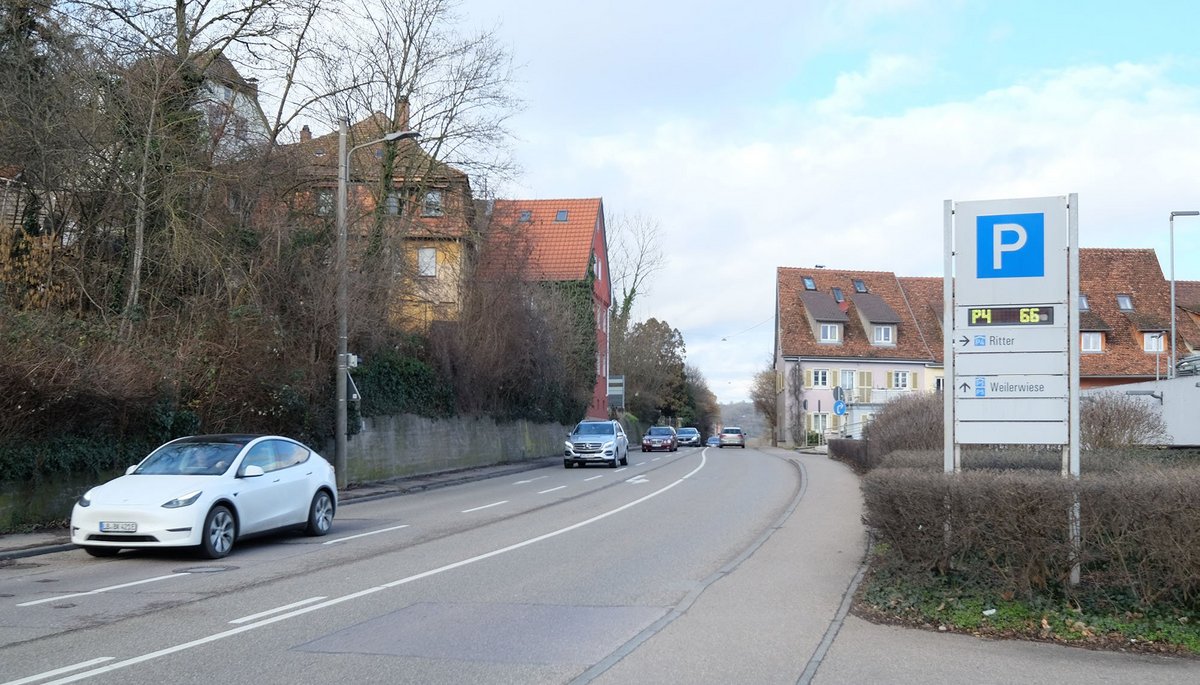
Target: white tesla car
[{"x": 208, "y": 491}]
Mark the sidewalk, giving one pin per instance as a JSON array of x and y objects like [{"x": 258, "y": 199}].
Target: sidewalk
[{"x": 21, "y": 545}]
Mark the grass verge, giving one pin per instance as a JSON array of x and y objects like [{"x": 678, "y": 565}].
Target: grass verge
[{"x": 950, "y": 603}]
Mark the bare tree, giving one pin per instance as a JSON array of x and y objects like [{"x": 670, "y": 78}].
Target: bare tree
[
  {"x": 764, "y": 394},
  {"x": 635, "y": 249}
]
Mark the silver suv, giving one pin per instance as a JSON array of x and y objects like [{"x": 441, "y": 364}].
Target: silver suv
[{"x": 596, "y": 442}]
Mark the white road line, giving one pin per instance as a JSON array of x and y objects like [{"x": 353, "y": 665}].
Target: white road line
[
  {"x": 60, "y": 671},
  {"x": 592, "y": 478},
  {"x": 620, "y": 470},
  {"x": 103, "y": 589},
  {"x": 369, "y": 591},
  {"x": 276, "y": 610},
  {"x": 523, "y": 482},
  {"x": 656, "y": 459},
  {"x": 552, "y": 489},
  {"x": 486, "y": 506},
  {"x": 639, "y": 463},
  {"x": 363, "y": 535}
]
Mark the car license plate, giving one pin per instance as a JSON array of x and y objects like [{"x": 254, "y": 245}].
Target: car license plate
[{"x": 118, "y": 527}]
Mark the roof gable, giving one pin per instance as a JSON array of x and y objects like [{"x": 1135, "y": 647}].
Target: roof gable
[{"x": 546, "y": 240}]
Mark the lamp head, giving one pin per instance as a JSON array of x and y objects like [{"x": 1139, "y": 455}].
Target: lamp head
[
  {"x": 1191, "y": 212},
  {"x": 401, "y": 135}
]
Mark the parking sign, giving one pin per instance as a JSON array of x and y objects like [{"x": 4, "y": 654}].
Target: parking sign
[{"x": 1010, "y": 313}]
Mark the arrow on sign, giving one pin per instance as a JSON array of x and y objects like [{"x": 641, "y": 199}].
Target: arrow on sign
[
  {"x": 965, "y": 387},
  {"x": 964, "y": 340}
]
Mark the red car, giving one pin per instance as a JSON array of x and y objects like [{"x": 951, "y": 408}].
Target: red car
[{"x": 660, "y": 438}]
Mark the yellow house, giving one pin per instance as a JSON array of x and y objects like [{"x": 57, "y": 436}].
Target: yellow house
[{"x": 420, "y": 222}]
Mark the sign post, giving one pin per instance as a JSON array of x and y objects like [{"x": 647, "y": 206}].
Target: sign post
[{"x": 1012, "y": 329}]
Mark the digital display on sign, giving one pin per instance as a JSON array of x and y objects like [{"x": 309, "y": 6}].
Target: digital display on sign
[{"x": 1010, "y": 316}]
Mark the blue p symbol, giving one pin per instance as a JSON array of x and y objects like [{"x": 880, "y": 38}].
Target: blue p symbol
[{"x": 1010, "y": 246}]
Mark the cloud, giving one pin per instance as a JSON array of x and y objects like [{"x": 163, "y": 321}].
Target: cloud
[
  {"x": 804, "y": 184},
  {"x": 883, "y": 73}
]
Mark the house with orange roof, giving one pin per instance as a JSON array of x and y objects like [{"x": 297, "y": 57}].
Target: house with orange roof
[
  {"x": 867, "y": 337},
  {"x": 844, "y": 337},
  {"x": 409, "y": 210},
  {"x": 557, "y": 241}
]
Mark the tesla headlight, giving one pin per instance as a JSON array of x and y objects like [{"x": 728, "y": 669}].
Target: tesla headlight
[
  {"x": 85, "y": 500},
  {"x": 183, "y": 500}
]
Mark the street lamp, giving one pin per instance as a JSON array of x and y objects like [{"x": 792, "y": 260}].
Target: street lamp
[
  {"x": 1171, "y": 369},
  {"x": 342, "y": 304}
]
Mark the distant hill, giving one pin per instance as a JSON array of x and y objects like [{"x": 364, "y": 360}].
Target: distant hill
[{"x": 743, "y": 414}]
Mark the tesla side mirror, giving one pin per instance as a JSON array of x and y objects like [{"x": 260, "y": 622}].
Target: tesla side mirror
[
  {"x": 131, "y": 469},
  {"x": 252, "y": 471}
]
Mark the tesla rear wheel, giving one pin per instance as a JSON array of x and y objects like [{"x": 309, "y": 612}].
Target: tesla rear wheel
[
  {"x": 320, "y": 514},
  {"x": 218, "y": 533}
]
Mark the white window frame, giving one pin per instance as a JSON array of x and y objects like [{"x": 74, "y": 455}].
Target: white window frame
[
  {"x": 820, "y": 378},
  {"x": 1091, "y": 341},
  {"x": 1153, "y": 342},
  {"x": 432, "y": 204},
  {"x": 885, "y": 334},
  {"x": 831, "y": 332},
  {"x": 427, "y": 262},
  {"x": 324, "y": 201},
  {"x": 852, "y": 376},
  {"x": 906, "y": 385},
  {"x": 392, "y": 204},
  {"x": 818, "y": 422}
]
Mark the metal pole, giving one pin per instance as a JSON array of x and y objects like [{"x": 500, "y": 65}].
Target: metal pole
[
  {"x": 342, "y": 305},
  {"x": 1171, "y": 367}
]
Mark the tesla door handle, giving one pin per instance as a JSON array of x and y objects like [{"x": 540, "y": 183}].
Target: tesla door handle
[{"x": 276, "y": 480}]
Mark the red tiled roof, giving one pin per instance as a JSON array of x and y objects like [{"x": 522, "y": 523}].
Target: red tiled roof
[
  {"x": 527, "y": 236},
  {"x": 1187, "y": 295},
  {"x": 925, "y": 299},
  {"x": 798, "y": 338},
  {"x": 1104, "y": 273}
]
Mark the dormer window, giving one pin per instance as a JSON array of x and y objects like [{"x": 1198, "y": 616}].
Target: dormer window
[
  {"x": 526, "y": 216},
  {"x": 831, "y": 332},
  {"x": 561, "y": 215},
  {"x": 859, "y": 286},
  {"x": 1125, "y": 303},
  {"x": 1153, "y": 342},
  {"x": 838, "y": 296},
  {"x": 1083, "y": 303},
  {"x": 809, "y": 283},
  {"x": 884, "y": 335}
]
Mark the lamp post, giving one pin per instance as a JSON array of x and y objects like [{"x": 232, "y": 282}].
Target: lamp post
[
  {"x": 342, "y": 303},
  {"x": 1171, "y": 368}
]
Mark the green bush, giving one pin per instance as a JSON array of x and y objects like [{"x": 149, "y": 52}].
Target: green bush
[
  {"x": 1007, "y": 530},
  {"x": 394, "y": 383}
]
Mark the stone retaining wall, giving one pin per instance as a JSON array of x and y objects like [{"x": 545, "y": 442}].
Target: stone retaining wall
[{"x": 406, "y": 445}]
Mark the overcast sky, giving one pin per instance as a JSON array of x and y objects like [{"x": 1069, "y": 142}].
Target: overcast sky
[{"x": 791, "y": 133}]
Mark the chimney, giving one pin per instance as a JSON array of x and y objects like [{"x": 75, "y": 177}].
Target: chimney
[
  {"x": 400, "y": 118},
  {"x": 305, "y": 134}
]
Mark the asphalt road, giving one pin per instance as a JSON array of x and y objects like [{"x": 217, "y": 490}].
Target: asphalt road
[
  {"x": 550, "y": 576},
  {"x": 701, "y": 566}
]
